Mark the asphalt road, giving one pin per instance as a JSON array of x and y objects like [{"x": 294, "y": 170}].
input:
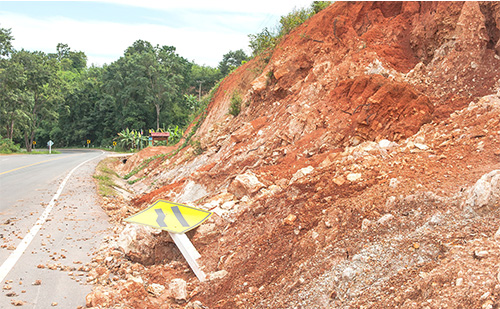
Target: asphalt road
[{"x": 49, "y": 225}]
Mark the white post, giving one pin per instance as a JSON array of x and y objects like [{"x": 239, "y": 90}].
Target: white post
[{"x": 189, "y": 252}]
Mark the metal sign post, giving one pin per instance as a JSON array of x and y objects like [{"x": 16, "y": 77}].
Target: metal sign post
[
  {"x": 189, "y": 252},
  {"x": 50, "y": 143}
]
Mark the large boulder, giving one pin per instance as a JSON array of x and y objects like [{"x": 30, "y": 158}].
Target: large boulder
[
  {"x": 485, "y": 192},
  {"x": 245, "y": 184},
  {"x": 146, "y": 245}
]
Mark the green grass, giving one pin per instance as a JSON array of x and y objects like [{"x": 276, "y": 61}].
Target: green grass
[
  {"x": 104, "y": 176},
  {"x": 35, "y": 152}
]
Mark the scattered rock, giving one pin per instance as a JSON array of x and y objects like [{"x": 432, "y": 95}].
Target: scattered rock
[
  {"x": 245, "y": 184},
  {"x": 390, "y": 203},
  {"x": 348, "y": 273},
  {"x": 17, "y": 303},
  {"x": 178, "y": 289},
  {"x": 290, "y": 219},
  {"x": 141, "y": 243},
  {"x": 97, "y": 299},
  {"x": 217, "y": 275},
  {"x": 385, "y": 219},
  {"x": 301, "y": 173},
  {"x": 354, "y": 177},
  {"x": 156, "y": 289},
  {"x": 386, "y": 144},
  {"x": 339, "y": 180},
  {"x": 195, "y": 305},
  {"x": 485, "y": 192},
  {"x": 393, "y": 183},
  {"x": 421, "y": 146},
  {"x": 228, "y": 205},
  {"x": 365, "y": 224},
  {"x": 480, "y": 254}
]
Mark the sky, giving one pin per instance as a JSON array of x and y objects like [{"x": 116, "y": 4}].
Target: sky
[{"x": 202, "y": 31}]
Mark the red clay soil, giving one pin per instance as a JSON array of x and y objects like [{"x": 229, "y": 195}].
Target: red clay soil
[{"x": 360, "y": 173}]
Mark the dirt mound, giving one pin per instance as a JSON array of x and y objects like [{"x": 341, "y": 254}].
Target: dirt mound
[{"x": 358, "y": 172}]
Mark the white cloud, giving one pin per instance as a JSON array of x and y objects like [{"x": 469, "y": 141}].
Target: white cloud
[
  {"x": 104, "y": 41},
  {"x": 279, "y": 7}
]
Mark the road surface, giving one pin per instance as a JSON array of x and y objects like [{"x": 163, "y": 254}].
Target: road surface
[{"x": 50, "y": 222}]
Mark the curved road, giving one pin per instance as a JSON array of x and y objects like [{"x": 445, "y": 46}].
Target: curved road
[{"x": 50, "y": 221}]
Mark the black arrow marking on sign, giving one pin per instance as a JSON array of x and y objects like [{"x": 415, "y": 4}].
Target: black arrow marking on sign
[
  {"x": 179, "y": 216},
  {"x": 161, "y": 218}
]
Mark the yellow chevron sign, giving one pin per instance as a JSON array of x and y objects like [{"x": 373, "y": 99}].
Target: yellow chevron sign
[{"x": 172, "y": 217}]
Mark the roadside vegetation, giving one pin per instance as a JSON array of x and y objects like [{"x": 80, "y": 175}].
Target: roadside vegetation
[
  {"x": 264, "y": 42},
  {"x": 56, "y": 96},
  {"x": 107, "y": 179}
]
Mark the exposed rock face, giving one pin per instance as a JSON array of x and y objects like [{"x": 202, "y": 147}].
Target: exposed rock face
[{"x": 361, "y": 171}]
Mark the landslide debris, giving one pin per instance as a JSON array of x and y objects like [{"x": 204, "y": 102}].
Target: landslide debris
[{"x": 362, "y": 171}]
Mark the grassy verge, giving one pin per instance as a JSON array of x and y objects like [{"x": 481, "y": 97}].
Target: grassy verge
[
  {"x": 41, "y": 152},
  {"x": 104, "y": 176}
]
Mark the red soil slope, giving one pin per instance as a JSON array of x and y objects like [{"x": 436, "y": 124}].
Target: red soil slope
[{"x": 347, "y": 178}]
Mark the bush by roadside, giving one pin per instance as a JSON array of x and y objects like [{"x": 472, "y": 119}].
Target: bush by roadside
[{"x": 7, "y": 146}]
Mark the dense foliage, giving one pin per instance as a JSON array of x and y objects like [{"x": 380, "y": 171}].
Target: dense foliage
[
  {"x": 266, "y": 40},
  {"x": 57, "y": 97}
]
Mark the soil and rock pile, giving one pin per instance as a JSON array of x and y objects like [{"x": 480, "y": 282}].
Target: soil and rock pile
[{"x": 363, "y": 171}]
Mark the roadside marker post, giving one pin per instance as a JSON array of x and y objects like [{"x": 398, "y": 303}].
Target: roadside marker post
[
  {"x": 50, "y": 143},
  {"x": 176, "y": 219}
]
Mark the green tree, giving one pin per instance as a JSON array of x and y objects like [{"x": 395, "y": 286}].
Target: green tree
[
  {"x": 69, "y": 60},
  {"x": 147, "y": 86},
  {"x": 6, "y": 39},
  {"x": 231, "y": 61},
  {"x": 12, "y": 97},
  {"x": 203, "y": 78},
  {"x": 40, "y": 91}
]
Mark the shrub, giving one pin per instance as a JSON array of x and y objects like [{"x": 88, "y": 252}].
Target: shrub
[
  {"x": 8, "y": 146},
  {"x": 266, "y": 41},
  {"x": 197, "y": 149},
  {"x": 293, "y": 20},
  {"x": 235, "y": 107}
]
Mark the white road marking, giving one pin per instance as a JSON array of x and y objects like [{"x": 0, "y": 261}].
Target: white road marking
[{"x": 14, "y": 256}]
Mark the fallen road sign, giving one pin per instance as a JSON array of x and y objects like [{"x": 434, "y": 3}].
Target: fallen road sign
[
  {"x": 171, "y": 217},
  {"x": 177, "y": 219}
]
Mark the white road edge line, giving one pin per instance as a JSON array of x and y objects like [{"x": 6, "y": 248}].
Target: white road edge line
[{"x": 14, "y": 256}]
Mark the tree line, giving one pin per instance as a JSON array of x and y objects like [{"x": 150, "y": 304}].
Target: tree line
[{"x": 56, "y": 96}]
